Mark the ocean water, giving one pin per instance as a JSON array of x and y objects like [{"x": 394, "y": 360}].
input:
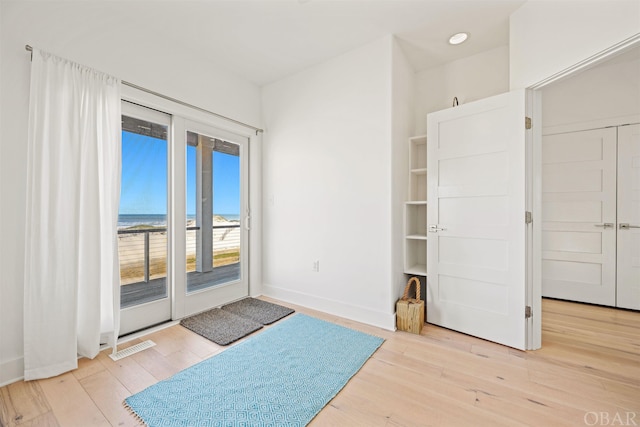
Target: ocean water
[{"x": 158, "y": 220}]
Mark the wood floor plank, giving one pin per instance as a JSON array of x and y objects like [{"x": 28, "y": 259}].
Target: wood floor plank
[
  {"x": 44, "y": 420},
  {"x": 129, "y": 372},
  {"x": 351, "y": 409},
  {"x": 108, "y": 393},
  {"x": 590, "y": 362},
  {"x": 198, "y": 345},
  {"x": 70, "y": 403},
  {"x": 166, "y": 341},
  {"x": 22, "y": 402},
  {"x": 183, "y": 359},
  {"x": 155, "y": 363},
  {"x": 333, "y": 416},
  {"x": 416, "y": 365},
  {"x": 87, "y": 367}
]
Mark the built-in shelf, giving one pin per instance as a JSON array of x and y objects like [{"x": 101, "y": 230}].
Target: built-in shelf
[
  {"x": 415, "y": 218},
  {"x": 417, "y": 236},
  {"x": 417, "y": 270},
  {"x": 415, "y": 209},
  {"x": 418, "y": 152}
]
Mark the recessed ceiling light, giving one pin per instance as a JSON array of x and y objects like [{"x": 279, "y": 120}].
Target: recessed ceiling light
[{"x": 458, "y": 38}]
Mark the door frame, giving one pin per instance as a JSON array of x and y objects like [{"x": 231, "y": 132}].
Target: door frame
[
  {"x": 184, "y": 303},
  {"x": 254, "y": 252},
  {"x": 626, "y": 296},
  {"x": 147, "y": 314},
  {"x": 534, "y": 153}
]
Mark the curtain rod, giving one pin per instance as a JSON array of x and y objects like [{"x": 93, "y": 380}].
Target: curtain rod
[{"x": 177, "y": 101}]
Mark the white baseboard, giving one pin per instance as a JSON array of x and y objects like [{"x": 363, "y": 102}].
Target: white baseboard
[
  {"x": 338, "y": 308},
  {"x": 11, "y": 371}
]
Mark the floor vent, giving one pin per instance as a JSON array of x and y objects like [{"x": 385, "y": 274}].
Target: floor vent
[{"x": 132, "y": 350}]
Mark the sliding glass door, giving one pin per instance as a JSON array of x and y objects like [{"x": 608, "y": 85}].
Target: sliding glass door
[
  {"x": 216, "y": 212},
  {"x": 183, "y": 223},
  {"x": 142, "y": 221}
]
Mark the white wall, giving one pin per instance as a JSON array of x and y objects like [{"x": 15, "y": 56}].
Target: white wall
[
  {"x": 102, "y": 36},
  {"x": 547, "y": 37},
  {"x": 469, "y": 79},
  {"x": 327, "y": 187},
  {"x": 606, "y": 95},
  {"x": 402, "y": 103}
]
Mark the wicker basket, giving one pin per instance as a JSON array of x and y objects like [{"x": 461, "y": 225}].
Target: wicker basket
[{"x": 410, "y": 311}]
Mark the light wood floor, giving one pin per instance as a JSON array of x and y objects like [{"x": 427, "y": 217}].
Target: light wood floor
[{"x": 589, "y": 365}]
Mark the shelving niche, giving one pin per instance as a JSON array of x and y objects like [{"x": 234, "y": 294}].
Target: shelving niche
[{"x": 415, "y": 209}]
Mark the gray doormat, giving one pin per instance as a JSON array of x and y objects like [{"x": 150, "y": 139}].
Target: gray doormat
[
  {"x": 236, "y": 320},
  {"x": 220, "y": 326},
  {"x": 257, "y": 310}
]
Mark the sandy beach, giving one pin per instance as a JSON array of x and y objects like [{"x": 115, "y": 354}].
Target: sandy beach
[{"x": 226, "y": 250}]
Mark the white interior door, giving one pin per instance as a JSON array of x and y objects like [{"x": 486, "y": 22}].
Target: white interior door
[
  {"x": 628, "y": 295},
  {"x": 579, "y": 216},
  {"x": 476, "y": 245}
]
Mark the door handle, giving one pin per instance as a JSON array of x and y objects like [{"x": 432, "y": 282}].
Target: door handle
[
  {"x": 605, "y": 225},
  {"x": 626, "y": 226},
  {"x": 434, "y": 228}
]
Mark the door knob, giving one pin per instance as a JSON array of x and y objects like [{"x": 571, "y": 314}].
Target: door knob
[
  {"x": 605, "y": 225},
  {"x": 626, "y": 226}
]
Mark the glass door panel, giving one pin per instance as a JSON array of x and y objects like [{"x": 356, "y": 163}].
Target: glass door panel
[
  {"x": 216, "y": 189},
  {"x": 142, "y": 221}
]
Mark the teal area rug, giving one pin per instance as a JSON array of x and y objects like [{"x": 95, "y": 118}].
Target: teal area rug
[{"x": 283, "y": 376}]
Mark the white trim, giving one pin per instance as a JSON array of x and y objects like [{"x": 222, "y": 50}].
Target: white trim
[
  {"x": 152, "y": 312},
  {"x": 254, "y": 200},
  {"x": 592, "y": 124},
  {"x": 338, "y": 308},
  {"x": 535, "y": 339},
  {"x": 590, "y": 61},
  {"x": 186, "y": 304},
  {"x": 535, "y": 162},
  {"x": 11, "y": 371},
  {"x": 177, "y": 207}
]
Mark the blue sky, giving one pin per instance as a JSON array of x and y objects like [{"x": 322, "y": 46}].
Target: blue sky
[{"x": 144, "y": 178}]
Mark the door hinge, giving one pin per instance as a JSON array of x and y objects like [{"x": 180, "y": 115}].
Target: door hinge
[
  {"x": 528, "y": 217},
  {"x": 528, "y": 312},
  {"x": 527, "y": 123}
]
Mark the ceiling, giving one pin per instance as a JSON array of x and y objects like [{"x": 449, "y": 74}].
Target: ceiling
[{"x": 266, "y": 40}]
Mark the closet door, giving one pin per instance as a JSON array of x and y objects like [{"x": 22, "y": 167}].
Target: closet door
[
  {"x": 629, "y": 217},
  {"x": 579, "y": 216}
]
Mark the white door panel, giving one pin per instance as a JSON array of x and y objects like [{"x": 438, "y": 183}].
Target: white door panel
[
  {"x": 578, "y": 197},
  {"x": 476, "y": 202},
  {"x": 629, "y": 213}
]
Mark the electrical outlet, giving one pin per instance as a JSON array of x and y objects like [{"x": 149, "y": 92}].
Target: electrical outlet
[{"x": 316, "y": 266}]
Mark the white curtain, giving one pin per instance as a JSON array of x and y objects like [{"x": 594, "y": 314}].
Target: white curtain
[{"x": 71, "y": 299}]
